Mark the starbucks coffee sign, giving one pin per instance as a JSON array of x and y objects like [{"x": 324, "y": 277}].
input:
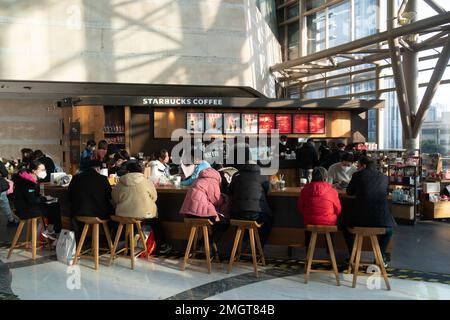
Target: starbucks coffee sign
[{"x": 173, "y": 101}]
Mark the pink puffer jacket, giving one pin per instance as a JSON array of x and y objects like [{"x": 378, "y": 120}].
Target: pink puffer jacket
[{"x": 203, "y": 198}]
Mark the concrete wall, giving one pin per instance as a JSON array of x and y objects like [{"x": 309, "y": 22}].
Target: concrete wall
[
  {"x": 220, "y": 42},
  {"x": 31, "y": 124}
]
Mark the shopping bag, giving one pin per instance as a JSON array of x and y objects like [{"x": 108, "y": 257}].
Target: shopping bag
[
  {"x": 149, "y": 241},
  {"x": 66, "y": 247}
]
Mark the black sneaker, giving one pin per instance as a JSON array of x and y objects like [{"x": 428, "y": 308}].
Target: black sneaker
[{"x": 165, "y": 249}]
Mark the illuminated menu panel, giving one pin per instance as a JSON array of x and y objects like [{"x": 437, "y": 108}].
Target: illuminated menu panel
[
  {"x": 300, "y": 123},
  {"x": 232, "y": 122},
  {"x": 316, "y": 123},
  {"x": 250, "y": 123},
  {"x": 195, "y": 122},
  {"x": 284, "y": 123},
  {"x": 266, "y": 123},
  {"x": 214, "y": 123}
]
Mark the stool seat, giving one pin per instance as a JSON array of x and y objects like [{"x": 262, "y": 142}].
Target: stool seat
[
  {"x": 367, "y": 231},
  {"x": 31, "y": 224},
  {"x": 321, "y": 228},
  {"x": 199, "y": 226},
  {"x": 360, "y": 233},
  {"x": 252, "y": 227},
  {"x": 95, "y": 222},
  {"x": 325, "y": 230},
  {"x": 129, "y": 224},
  {"x": 91, "y": 220}
]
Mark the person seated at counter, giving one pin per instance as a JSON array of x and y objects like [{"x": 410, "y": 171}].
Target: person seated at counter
[
  {"x": 101, "y": 152},
  {"x": 318, "y": 202},
  {"x": 120, "y": 161},
  {"x": 86, "y": 155},
  {"x": 307, "y": 159},
  {"x": 248, "y": 193},
  {"x": 204, "y": 200},
  {"x": 193, "y": 165},
  {"x": 371, "y": 188},
  {"x": 27, "y": 155},
  {"x": 90, "y": 193},
  {"x": 160, "y": 168},
  {"x": 134, "y": 196},
  {"x": 341, "y": 173},
  {"x": 31, "y": 204},
  {"x": 46, "y": 161}
]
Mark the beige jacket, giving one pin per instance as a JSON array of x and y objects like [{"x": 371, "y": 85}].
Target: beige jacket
[{"x": 135, "y": 196}]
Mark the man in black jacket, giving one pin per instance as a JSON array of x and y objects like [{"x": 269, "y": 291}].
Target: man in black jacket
[
  {"x": 371, "y": 189},
  {"x": 248, "y": 191},
  {"x": 5, "y": 208},
  {"x": 90, "y": 193},
  {"x": 307, "y": 159}
]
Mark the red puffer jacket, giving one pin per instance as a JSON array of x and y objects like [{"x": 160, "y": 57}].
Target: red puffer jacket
[
  {"x": 204, "y": 198},
  {"x": 319, "y": 203}
]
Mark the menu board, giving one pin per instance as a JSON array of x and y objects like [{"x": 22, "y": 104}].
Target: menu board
[
  {"x": 214, "y": 122},
  {"x": 316, "y": 123},
  {"x": 250, "y": 123},
  {"x": 195, "y": 122},
  {"x": 266, "y": 123},
  {"x": 300, "y": 123},
  {"x": 232, "y": 122},
  {"x": 284, "y": 123}
]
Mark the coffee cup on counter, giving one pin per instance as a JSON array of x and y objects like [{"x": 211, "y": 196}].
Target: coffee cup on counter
[
  {"x": 282, "y": 184},
  {"x": 303, "y": 181}
]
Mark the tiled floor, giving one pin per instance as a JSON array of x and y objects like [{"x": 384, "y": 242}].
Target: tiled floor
[{"x": 161, "y": 278}]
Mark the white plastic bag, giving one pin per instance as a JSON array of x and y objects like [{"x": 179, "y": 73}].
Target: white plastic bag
[{"x": 66, "y": 247}]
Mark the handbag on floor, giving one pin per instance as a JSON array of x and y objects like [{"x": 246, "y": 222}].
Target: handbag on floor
[
  {"x": 149, "y": 241},
  {"x": 66, "y": 247}
]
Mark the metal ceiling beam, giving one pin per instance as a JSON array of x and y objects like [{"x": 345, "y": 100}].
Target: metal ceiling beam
[
  {"x": 436, "y": 6},
  {"x": 433, "y": 84},
  {"x": 412, "y": 28}
]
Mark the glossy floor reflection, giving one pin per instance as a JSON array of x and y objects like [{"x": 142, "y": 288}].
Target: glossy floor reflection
[{"x": 161, "y": 278}]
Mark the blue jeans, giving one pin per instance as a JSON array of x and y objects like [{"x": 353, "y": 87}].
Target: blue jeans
[{"x": 5, "y": 209}]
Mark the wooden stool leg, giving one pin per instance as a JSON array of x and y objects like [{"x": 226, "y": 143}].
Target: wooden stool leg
[
  {"x": 116, "y": 243},
  {"x": 80, "y": 245},
  {"x": 195, "y": 243},
  {"x": 252, "y": 244},
  {"x": 241, "y": 239},
  {"x": 27, "y": 235},
  {"x": 127, "y": 236},
  {"x": 310, "y": 255},
  {"x": 33, "y": 237},
  {"x": 207, "y": 249},
  {"x": 142, "y": 237},
  {"x": 188, "y": 248},
  {"x": 108, "y": 235},
  {"x": 379, "y": 259},
  {"x": 333, "y": 258},
  {"x": 260, "y": 248},
  {"x": 131, "y": 226},
  {"x": 95, "y": 239},
  {"x": 358, "y": 257},
  {"x": 233, "y": 252},
  {"x": 16, "y": 237},
  {"x": 353, "y": 255}
]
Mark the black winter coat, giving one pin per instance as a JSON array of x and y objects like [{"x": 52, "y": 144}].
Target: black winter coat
[
  {"x": 90, "y": 195},
  {"x": 307, "y": 157},
  {"x": 26, "y": 198},
  {"x": 248, "y": 191},
  {"x": 3, "y": 170},
  {"x": 371, "y": 209}
]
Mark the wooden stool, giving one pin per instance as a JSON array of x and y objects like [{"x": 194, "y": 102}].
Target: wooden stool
[
  {"x": 357, "y": 248},
  {"x": 252, "y": 227},
  {"x": 316, "y": 230},
  {"x": 202, "y": 225},
  {"x": 129, "y": 238},
  {"x": 95, "y": 222},
  {"x": 31, "y": 224}
]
